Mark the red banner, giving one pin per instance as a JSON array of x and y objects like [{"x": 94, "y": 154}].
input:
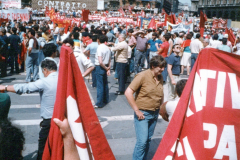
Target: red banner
[
  {"x": 205, "y": 124},
  {"x": 219, "y": 23}
]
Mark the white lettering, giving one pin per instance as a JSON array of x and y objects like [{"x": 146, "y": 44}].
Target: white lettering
[
  {"x": 45, "y": 3},
  {"x": 73, "y": 8},
  {"x": 84, "y": 5},
  {"x": 234, "y": 91},
  {"x": 68, "y": 4},
  {"x": 56, "y": 3},
  {"x": 39, "y": 3},
  {"x": 188, "y": 150},
  {"x": 51, "y": 3},
  {"x": 227, "y": 144},
  {"x": 73, "y": 3},
  {"x": 220, "y": 89},
  {"x": 62, "y": 3},
  {"x": 212, "y": 129},
  {"x": 79, "y": 4}
]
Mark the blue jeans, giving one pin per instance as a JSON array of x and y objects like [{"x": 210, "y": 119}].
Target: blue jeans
[
  {"x": 32, "y": 61},
  {"x": 165, "y": 72},
  {"x": 14, "y": 61},
  {"x": 144, "y": 131},
  {"x": 55, "y": 39},
  {"x": 139, "y": 61},
  {"x": 121, "y": 70},
  {"x": 147, "y": 56},
  {"x": 193, "y": 59},
  {"x": 102, "y": 86},
  {"x": 94, "y": 79}
]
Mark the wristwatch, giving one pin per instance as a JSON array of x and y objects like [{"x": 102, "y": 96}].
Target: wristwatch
[{"x": 6, "y": 88}]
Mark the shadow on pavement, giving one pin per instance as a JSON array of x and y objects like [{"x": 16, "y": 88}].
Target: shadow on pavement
[
  {"x": 31, "y": 156},
  {"x": 153, "y": 147}
]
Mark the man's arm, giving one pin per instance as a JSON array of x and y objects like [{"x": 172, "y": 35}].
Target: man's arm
[
  {"x": 159, "y": 49},
  {"x": 101, "y": 63},
  {"x": 169, "y": 69},
  {"x": 129, "y": 95},
  {"x": 88, "y": 71}
]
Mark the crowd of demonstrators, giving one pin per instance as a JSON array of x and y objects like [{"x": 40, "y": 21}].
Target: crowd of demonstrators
[{"x": 154, "y": 56}]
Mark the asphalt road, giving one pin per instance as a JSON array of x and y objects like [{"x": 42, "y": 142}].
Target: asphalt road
[{"x": 116, "y": 119}]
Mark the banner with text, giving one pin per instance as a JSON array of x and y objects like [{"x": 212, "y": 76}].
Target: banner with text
[
  {"x": 11, "y": 4},
  {"x": 219, "y": 23},
  {"x": 13, "y": 14},
  {"x": 205, "y": 124},
  {"x": 180, "y": 27}
]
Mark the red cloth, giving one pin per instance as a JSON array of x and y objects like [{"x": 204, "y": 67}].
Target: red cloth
[
  {"x": 85, "y": 14},
  {"x": 72, "y": 96},
  {"x": 206, "y": 119},
  {"x": 23, "y": 52},
  {"x": 87, "y": 40},
  {"x": 143, "y": 14},
  {"x": 231, "y": 36},
  {"x": 173, "y": 18},
  {"x": 203, "y": 19},
  {"x": 165, "y": 47},
  {"x": 152, "y": 24},
  {"x": 186, "y": 43}
]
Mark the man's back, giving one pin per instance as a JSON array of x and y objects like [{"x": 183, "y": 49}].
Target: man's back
[
  {"x": 196, "y": 46},
  {"x": 14, "y": 40},
  {"x": 224, "y": 48}
]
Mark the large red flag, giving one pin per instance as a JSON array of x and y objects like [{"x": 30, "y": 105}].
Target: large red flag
[
  {"x": 173, "y": 18},
  {"x": 152, "y": 24},
  {"x": 73, "y": 99},
  {"x": 231, "y": 36},
  {"x": 163, "y": 12},
  {"x": 85, "y": 13},
  {"x": 205, "y": 124},
  {"x": 203, "y": 19},
  {"x": 143, "y": 13}
]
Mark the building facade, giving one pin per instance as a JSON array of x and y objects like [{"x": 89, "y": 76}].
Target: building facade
[{"x": 226, "y": 9}]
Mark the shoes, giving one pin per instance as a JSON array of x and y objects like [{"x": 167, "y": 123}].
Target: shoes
[
  {"x": 119, "y": 93},
  {"x": 95, "y": 106}
]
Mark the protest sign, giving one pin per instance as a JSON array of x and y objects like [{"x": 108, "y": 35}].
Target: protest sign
[
  {"x": 180, "y": 27},
  {"x": 11, "y": 4},
  {"x": 205, "y": 124},
  {"x": 13, "y": 14}
]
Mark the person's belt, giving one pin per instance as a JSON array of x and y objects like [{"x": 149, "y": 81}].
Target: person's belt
[
  {"x": 140, "y": 50},
  {"x": 175, "y": 74}
]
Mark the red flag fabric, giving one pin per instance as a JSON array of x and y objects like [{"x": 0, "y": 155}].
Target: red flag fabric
[
  {"x": 203, "y": 19},
  {"x": 23, "y": 52},
  {"x": 138, "y": 22},
  {"x": 168, "y": 18},
  {"x": 143, "y": 14},
  {"x": 205, "y": 124},
  {"x": 148, "y": 6},
  {"x": 72, "y": 98},
  {"x": 152, "y": 24},
  {"x": 163, "y": 12},
  {"x": 85, "y": 13},
  {"x": 231, "y": 36},
  {"x": 121, "y": 11},
  {"x": 173, "y": 18},
  {"x": 130, "y": 9}
]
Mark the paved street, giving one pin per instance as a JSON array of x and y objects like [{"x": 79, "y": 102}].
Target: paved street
[{"x": 116, "y": 119}]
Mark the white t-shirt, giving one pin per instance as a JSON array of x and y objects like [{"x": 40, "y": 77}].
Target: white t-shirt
[
  {"x": 104, "y": 52},
  {"x": 170, "y": 107},
  {"x": 63, "y": 37},
  {"x": 34, "y": 50},
  {"x": 196, "y": 46},
  {"x": 83, "y": 62},
  {"x": 215, "y": 43},
  {"x": 56, "y": 31}
]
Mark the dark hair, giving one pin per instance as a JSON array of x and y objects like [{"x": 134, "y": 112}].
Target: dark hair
[
  {"x": 130, "y": 31},
  {"x": 49, "y": 65},
  {"x": 154, "y": 34},
  {"x": 103, "y": 39},
  {"x": 39, "y": 34},
  {"x": 49, "y": 49},
  {"x": 86, "y": 29},
  {"x": 167, "y": 36},
  {"x": 36, "y": 27},
  {"x": 215, "y": 37},
  {"x": 94, "y": 38},
  {"x": 69, "y": 40},
  {"x": 14, "y": 30},
  {"x": 32, "y": 32},
  {"x": 175, "y": 45},
  {"x": 180, "y": 86},
  {"x": 3, "y": 31},
  {"x": 198, "y": 35},
  {"x": 189, "y": 36},
  {"x": 76, "y": 35},
  {"x": 191, "y": 33},
  {"x": 157, "y": 61},
  {"x": 176, "y": 34},
  {"x": 224, "y": 41},
  {"x": 22, "y": 28},
  {"x": 149, "y": 30},
  {"x": 11, "y": 141}
]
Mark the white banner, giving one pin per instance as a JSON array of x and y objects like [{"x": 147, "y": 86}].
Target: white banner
[
  {"x": 11, "y": 4},
  {"x": 13, "y": 14},
  {"x": 180, "y": 27}
]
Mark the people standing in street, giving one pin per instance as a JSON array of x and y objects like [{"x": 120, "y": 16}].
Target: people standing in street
[
  {"x": 152, "y": 42},
  {"x": 32, "y": 58},
  {"x": 140, "y": 53},
  {"x": 195, "y": 46},
  {"x": 102, "y": 64},
  {"x": 3, "y": 52},
  {"x": 224, "y": 46},
  {"x": 132, "y": 43},
  {"x": 186, "y": 58},
  {"x": 174, "y": 69},
  {"x": 148, "y": 86},
  {"x": 121, "y": 57}
]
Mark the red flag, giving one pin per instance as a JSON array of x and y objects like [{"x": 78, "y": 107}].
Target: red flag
[
  {"x": 143, "y": 14},
  {"x": 168, "y": 18},
  {"x": 148, "y": 6},
  {"x": 173, "y": 18},
  {"x": 121, "y": 11},
  {"x": 130, "y": 9},
  {"x": 138, "y": 22},
  {"x": 231, "y": 36},
  {"x": 85, "y": 14},
  {"x": 203, "y": 19},
  {"x": 163, "y": 12},
  {"x": 72, "y": 98},
  {"x": 152, "y": 24},
  {"x": 205, "y": 124}
]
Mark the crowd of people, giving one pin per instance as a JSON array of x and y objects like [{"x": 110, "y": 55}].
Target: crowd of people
[{"x": 153, "y": 56}]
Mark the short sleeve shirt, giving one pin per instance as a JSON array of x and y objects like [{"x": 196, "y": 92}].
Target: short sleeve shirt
[
  {"x": 148, "y": 93},
  {"x": 152, "y": 43},
  {"x": 34, "y": 50},
  {"x": 165, "y": 47},
  {"x": 174, "y": 60},
  {"x": 104, "y": 52}
]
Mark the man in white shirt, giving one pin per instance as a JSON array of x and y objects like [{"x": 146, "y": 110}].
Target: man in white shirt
[
  {"x": 215, "y": 42},
  {"x": 195, "y": 46},
  {"x": 60, "y": 38},
  {"x": 55, "y": 32},
  {"x": 102, "y": 63}
]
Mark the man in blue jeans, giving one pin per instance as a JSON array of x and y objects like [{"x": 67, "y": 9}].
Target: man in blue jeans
[
  {"x": 148, "y": 86},
  {"x": 102, "y": 64},
  {"x": 140, "y": 53},
  {"x": 32, "y": 58}
]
